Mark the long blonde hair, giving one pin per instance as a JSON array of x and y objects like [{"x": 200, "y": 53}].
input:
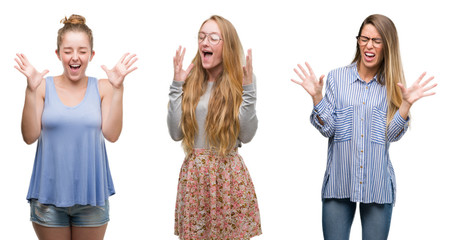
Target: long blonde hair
[
  {"x": 222, "y": 124},
  {"x": 390, "y": 71}
]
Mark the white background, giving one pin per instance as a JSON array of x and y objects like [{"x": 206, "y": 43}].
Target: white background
[{"x": 287, "y": 157}]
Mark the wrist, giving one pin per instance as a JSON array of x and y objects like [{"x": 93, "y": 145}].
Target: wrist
[
  {"x": 30, "y": 90},
  {"x": 404, "y": 109},
  {"x": 118, "y": 88},
  {"x": 316, "y": 99}
]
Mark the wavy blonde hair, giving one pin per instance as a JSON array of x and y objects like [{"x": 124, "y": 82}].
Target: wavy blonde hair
[
  {"x": 222, "y": 124},
  {"x": 390, "y": 71}
]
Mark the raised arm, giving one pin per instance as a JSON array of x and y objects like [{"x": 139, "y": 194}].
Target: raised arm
[
  {"x": 322, "y": 116},
  {"x": 34, "y": 99},
  {"x": 112, "y": 91},
  {"x": 175, "y": 95},
  {"x": 419, "y": 89},
  {"x": 248, "y": 115}
]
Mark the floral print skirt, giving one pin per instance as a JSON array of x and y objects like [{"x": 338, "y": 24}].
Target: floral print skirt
[{"x": 216, "y": 199}]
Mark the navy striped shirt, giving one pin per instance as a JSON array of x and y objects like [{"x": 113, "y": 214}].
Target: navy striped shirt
[{"x": 354, "y": 117}]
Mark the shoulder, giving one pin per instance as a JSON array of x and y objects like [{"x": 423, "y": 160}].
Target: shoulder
[
  {"x": 42, "y": 87},
  {"x": 104, "y": 86},
  {"x": 343, "y": 74}
]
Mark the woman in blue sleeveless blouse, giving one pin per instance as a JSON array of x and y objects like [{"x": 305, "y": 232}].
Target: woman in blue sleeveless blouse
[
  {"x": 365, "y": 108},
  {"x": 70, "y": 115}
]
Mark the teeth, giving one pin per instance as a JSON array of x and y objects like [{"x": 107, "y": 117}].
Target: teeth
[
  {"x": 75, "y": 66},
  {"x": 370, "y": 54}
]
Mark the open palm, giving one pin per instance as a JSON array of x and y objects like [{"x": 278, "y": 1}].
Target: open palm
[
  {"x": 418, "y": 90},
  {"x": 309, "y": 82},
  {"x": 117, "y": 74},
  {"x": 34, "y": 77},
  {"x": 180, "y": 74}
]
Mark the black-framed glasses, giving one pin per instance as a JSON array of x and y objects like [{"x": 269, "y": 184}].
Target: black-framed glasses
[
  {"x": 364, "y": 40},
  {"x": 213, "y": 38}
]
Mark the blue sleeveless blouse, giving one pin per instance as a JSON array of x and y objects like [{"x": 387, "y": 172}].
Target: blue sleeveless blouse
[{"x": 71, "y": 164}]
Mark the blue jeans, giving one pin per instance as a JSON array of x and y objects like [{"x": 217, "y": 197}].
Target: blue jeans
[{"x": 338, "y": 215}]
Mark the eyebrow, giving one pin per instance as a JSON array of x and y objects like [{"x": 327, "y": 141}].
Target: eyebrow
[
  {"x": 69, "y": 48},
  {"x": 209, "y": 33}
]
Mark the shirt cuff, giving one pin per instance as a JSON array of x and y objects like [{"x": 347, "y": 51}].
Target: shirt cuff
[
  {"x": 177, "y": 84},
  {"x": 400, "y": 121},
  {"x": 248, "y": 87},
  {"x": 319, "y": 107}
]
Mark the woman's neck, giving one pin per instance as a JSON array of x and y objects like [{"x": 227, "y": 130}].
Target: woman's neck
[
  {"x": 67, "y": 83},
  {"x": 367, "y": 74},
  {"x": 214, "y": 73}
]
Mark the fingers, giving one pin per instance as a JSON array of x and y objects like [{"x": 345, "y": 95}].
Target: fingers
[
  {"x": 190, "y": 67},
  {"x": 183, "y": 54},
  {"x": 403, "y": 89},
  {"x": 104, "y": 68},
  {"x": 22, "y": 58},
  {"x": 297, "y": 82},
  {"x": 178, "y": 58},
  {"x": 321, "y": 80},
  {"x": 303, "y": 70},
  {"x": 130, "y": 60},
  {"x": 19, "y": 63},
  {"x": 420, "y": 78},
  {"x": 249, "y": 59},
  {"x": 123, "y": 57},
  {"x": 44, "y": 72},
  {"x": 427, "y": 81},
  {"x": 131, "y": 70},
  {"x": 430, "y": 87},
  {"x": 309, "y": 68},
  {"x": 20, "y": 70},
  {"x": 299, "y": 74}
]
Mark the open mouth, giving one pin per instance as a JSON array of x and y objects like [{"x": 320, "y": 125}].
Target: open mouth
[
  {"x": 74, "y": 67},
  {"x": 207, "y": 54},
  {"x": 370, "y": 56}
]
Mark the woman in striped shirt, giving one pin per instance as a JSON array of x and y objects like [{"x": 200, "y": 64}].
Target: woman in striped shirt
[{"x": 365, "y": 107}]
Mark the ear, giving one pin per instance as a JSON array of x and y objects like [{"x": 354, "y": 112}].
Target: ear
[
  {"x": 57, "y": 54},
  {"x": 92, "y": 55}
]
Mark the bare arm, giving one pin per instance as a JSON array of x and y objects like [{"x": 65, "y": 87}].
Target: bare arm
[
  {"x": 34, "y": 99},
  {"x": 111, "y": 91}
]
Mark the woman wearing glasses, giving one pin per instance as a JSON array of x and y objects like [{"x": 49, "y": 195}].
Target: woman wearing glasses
[
  {"x": 365, "y": 108},
  {"x": 212, "y": 110}
]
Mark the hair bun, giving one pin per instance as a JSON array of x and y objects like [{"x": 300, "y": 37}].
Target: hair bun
[{"x": 73, "y": 19}]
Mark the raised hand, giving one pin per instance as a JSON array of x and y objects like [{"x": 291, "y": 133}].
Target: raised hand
[
  {"x": 247, "y": 70},
  {"x": 34, "y": 78},
  {"x": 417, "y": 91},
  {"x": 180, "y": 74},
  {"x": 117, "y": 74},
  {"x": 309, "y": 82}
]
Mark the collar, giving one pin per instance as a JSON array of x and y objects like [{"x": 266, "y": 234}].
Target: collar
[{"x": 356, "y": 77}]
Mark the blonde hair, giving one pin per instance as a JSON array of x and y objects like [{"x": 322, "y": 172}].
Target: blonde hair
[
  {"x": 75, "y": 23},
  {"x": 390, "y": 71},
  {"x": 222, "y": 124}
]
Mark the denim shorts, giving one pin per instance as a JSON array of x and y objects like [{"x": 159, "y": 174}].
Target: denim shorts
[{"x": 77, "y": 216}]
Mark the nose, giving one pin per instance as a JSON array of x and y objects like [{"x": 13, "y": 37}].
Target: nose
[
  {"x": 205, "y": 42},
  {"x": 370, "y": 44},
  {"x": 75, "y": 56}
]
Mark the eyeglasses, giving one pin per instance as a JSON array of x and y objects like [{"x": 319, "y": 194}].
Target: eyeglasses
[
  {"x": 363, "y": 40},
  {"x": 213, "y": 38}
]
